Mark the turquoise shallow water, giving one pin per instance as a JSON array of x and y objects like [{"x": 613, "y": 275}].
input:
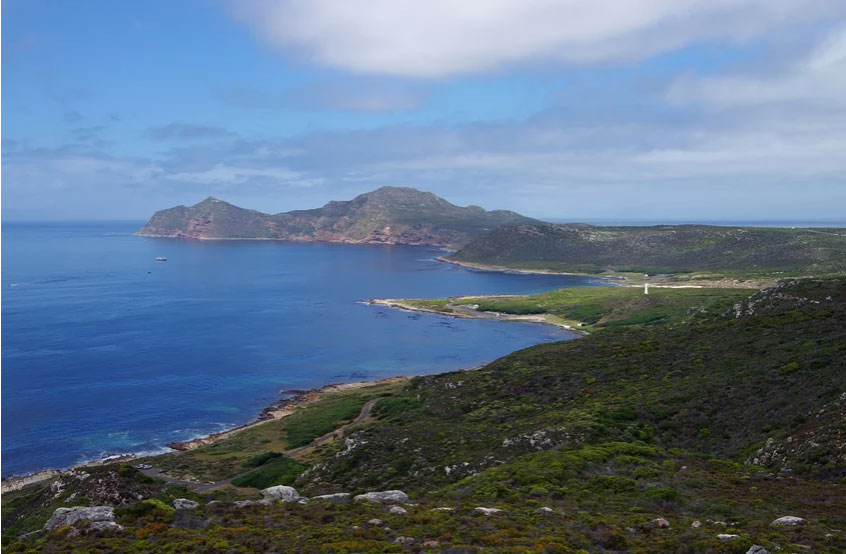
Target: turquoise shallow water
[{"x": 106, "y": 351}]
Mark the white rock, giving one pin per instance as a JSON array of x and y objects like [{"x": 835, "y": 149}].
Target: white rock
[
  {"x": 727, "y": 536},
  {"x": 404, "y": 540},
  {"x": 105, "y": 526},
  {"x": 696, "y": 524},
  {"x": 441, "y": 509},
  {"x": 384, "y": 496},
  {"x": 661, "y": 522},
  {"x": 244, "y": 503},
  {"x": 755, "y": 549},
  {"x": 185, "y": 504},
  {"x": 486, "y": 511},
  {"x": 545, "y": 510},
  {"x": 788, "y": 521},
  {"x": 398, "y": 510},
  {"x": 281, "y": 492},
  {"x": 337, "y": 498},
  {"x": 69, "y": 516},
  {"x": 374, "y": 521}
]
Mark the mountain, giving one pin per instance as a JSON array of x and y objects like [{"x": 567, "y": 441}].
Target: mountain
[
  {"x": 393, "y": 215},
  {"x": 659, "y": 249}
]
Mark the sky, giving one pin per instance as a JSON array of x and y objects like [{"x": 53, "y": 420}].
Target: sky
[{"x": 660, "y": 110}]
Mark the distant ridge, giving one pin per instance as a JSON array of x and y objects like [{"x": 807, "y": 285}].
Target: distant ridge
[
  {"x": 658, "y": 249},
  {"x": 391, "y": 215}
]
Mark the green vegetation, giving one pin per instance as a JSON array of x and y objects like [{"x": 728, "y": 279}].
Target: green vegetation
[
  {"x": 279, "y": 471},
  {"x": 597, "y": 307},
  {"x": 227, "y": 458},
  {"x": 692, "y": 249},
  {"x": 319, "y": 419}
]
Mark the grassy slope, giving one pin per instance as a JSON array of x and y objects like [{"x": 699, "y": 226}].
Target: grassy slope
[
  {"x": 612, "y": 430},
  {"x": 729, "y": 251},
  {"x": 598, "y": 307}
]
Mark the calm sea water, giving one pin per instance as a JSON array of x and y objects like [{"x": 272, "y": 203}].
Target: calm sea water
[{"x": 106, "y": 351}]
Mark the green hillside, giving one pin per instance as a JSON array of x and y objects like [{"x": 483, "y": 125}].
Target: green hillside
[
  {"x": 719, "y": 422},
  {"x": 661, "y": 249}
]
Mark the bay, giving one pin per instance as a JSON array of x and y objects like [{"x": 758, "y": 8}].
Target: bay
[{"x": 107, "y": 351}]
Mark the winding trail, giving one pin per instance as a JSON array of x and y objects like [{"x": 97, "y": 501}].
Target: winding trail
[{"x": 157, "y": 473}]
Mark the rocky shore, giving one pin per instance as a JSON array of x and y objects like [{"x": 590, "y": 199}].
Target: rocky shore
[{"x": 292, "y": 400}]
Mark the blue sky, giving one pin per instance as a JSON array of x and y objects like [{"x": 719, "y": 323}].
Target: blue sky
[{"x": 655, "y": 110}]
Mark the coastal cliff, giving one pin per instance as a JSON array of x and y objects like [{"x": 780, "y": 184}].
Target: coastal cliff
[{"x": 390, "y": 215}]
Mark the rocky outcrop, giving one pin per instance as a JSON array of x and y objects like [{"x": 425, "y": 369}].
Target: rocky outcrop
[
  {"x": 788, "y": 521},
  {"x": 69, "y": 516},
  {"x": 185, "y": 504},
  {"x": 281, "y": 493},
  {"x": 384, "y": 496},
  {"x": 337, "y": 498}
]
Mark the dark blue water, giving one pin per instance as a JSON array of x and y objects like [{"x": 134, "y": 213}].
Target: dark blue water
[{"x": 105, "y": 350}]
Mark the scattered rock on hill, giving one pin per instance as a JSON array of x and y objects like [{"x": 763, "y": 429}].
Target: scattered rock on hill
[
  {"x": 69, "y": 516},
  {"x": 727, "y": 536},
  {"x": 661, "y": 523},
  {"x": 755, "y": 549},
  {"x": 337, "y": 498},
  {"x": 788, "y": 521},
  {"x": 185, "y": 504},
  {"x": 280, "y": 492},
  {"x": 384, "y": 496},
  {"x": 545, "y": 510},
  {"x": 398, "y": 510},
  {"x": 486, "y": 511}
]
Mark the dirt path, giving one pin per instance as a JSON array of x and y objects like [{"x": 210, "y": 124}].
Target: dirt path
[{"x": 203, "y": 487}]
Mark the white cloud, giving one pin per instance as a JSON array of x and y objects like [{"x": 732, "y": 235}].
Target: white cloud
[
  {"x": 437, "y": 38},
  {"x": 817, "y": 79}
]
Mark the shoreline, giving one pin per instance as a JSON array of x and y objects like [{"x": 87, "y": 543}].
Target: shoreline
[
  {"x": 400, "y": 304},
  {"x": 277, "y": 410},
  {"x": 503, "y": 269}
]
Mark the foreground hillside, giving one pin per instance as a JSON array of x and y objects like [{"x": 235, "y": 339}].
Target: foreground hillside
[
  {"x": 693, "y": 435},
  {"x": 392, "y": 215},
  {"x": 660, "y": 249}
]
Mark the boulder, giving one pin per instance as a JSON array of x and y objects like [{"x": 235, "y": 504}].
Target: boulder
[
  {"x": 661, "y": 523},
  {"x": 185, "y": 504},
  {"x": 384, "y": 496},
  {"x": 545, "y": 510},
  {"x": 727, "y": 536},
  {"x": 755, "y": 549},
  {"x": 337, "y": 498},
  {"x": 105, "y": 527},
  {"x": 442, "y": 509},
  {"x": 280, "y": 492},
  {"x": 405, "y": 540},
  {"x": 486, "y": 511},
  {"x": 374, "y": 521},
  {"x": 696, "y": 524},
  {"x": 788, "y": 521},
  {"x": 69, "y": 516},
  {"x": 398, "y": 510}
]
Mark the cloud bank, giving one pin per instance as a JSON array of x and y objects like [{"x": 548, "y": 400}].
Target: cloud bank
[{"x": 440, "y": 38}]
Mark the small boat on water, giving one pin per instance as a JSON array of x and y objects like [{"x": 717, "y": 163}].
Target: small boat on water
[{"x": 161, "y": 259}]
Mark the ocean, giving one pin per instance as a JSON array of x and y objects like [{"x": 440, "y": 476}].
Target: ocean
[{"x": 106, "y": 351}]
